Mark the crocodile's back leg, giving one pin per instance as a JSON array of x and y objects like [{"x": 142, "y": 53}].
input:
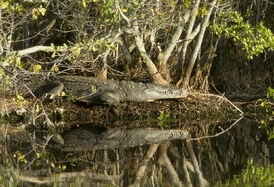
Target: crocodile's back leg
[
  {"x": 39, "y": 88},
  {"x": 55, "y": 90}
]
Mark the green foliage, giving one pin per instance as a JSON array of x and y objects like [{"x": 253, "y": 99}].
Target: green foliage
[
  {"x": 100, "y": 45},
  {"x": 254, "y": 40},
  {"x": 11, "y": 59},
  {"x": 36, "y": 68},
  {"x": 9, "y": 5},
  {"x": 20, "y": 100},
  {"x": 36, "y": 12},
  {"x": 75, "y": 51},
  {"x": 270, "y": 93},
  {"x": 186, "y": 4},
  {"x": 203, "y": 10},
  {"x": 267, "y": 104},
  {"x": 6, "y": 175},
  {"x": 253, "y": 175},
  {"x": 4, "y": 81},
  {"x": 108, "y": 13},
  {"x": 71, "y": 98},
  {"x": 9, "y": 62},
  {"x": 164, "y": 120}
]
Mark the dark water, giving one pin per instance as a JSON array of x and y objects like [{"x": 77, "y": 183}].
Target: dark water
[{"x": 84, "y": 156}]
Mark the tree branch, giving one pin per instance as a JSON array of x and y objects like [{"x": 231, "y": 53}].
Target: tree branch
[{"x": 34, "y": 49}]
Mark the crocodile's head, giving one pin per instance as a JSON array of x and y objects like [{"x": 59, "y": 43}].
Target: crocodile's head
[{"x": 163, "y": 92}]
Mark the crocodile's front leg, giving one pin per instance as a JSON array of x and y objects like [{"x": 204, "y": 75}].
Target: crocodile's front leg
[{"x": 111, "y": 97}]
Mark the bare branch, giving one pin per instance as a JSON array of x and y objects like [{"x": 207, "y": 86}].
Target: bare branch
[
  {"x": 123, "y": 15},
  {"x": 34, "y": 49},
  {"x": 218, "y": 134}
]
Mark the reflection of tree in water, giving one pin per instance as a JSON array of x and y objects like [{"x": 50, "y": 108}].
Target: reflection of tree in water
[
  {"x": 223, "y": 157},
  {"x": 166, "y": 163}
]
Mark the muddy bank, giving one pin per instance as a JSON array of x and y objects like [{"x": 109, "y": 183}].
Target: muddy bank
[{"x": 65, "y": 114}]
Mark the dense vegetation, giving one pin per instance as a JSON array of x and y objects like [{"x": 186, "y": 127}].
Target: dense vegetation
[{"x": 225, "y": 46}]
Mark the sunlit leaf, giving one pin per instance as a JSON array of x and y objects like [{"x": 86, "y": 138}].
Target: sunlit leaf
[
  {"x": 143, "y": 16},
  {"x": 135, "y": 2},
  {"x": 4, "y": 5},
  {"x": 55, "y": 69},
  {"x": 84, "y": 3},
  {"x": 53, "y": 55},
  {"x": 52, "y": 96},
  {"x": 65, "y": 45},
  {"x": 37, "y": 108},
  {"x": 37, "y": 68}
]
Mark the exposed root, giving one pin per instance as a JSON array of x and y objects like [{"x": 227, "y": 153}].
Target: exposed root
[{"x": 222, "y": 99}]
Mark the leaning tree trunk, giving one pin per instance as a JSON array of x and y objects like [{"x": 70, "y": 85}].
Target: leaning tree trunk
[
  {"x": 188, "y": 38},
  {"x": 163, "y": 56},
  {"x": 198, "y": 45},
  {"x": 135, "y": 31},
  {"x": 152, "y": 69}
]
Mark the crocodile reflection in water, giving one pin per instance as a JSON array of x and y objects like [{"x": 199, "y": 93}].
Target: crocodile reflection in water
[{"x": 83, "y": 140}]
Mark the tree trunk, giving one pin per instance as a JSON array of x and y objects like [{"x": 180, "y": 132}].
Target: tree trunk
[
  {"x": 198, "y": 45},
  {"x": 152, "y": 69},
  {"x": 189, "y": 36},
  {"x": 164, "y": 56}
]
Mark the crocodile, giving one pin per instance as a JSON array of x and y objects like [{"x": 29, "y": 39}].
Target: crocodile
[{"x": 93, "y": 90}]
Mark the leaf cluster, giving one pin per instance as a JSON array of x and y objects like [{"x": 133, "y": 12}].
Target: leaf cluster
[
  {"x": 267, "y": 104},
  {"x": 253, "y": 175},
  {"x": 253, "y": 39}
]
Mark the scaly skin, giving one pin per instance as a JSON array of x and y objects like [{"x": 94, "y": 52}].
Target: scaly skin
[
  {"x": 98, "y": 91},
  {"x": 94, "y": 90}
]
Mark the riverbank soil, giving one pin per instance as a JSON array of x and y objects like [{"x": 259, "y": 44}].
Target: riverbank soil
[{"x": 66, "y": 114}]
